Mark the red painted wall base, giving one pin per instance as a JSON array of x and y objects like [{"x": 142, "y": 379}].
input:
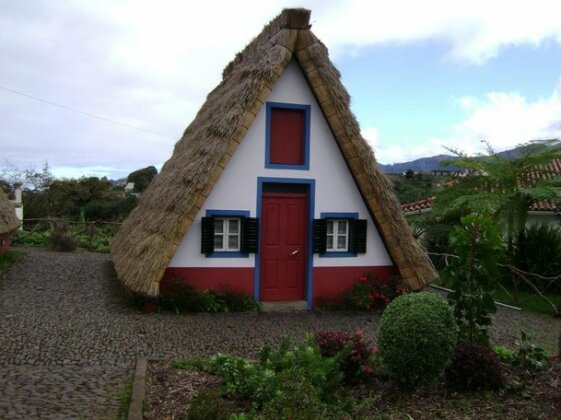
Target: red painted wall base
[
  {"x": 329, "y": 282},
  {"x": 232, "y": 279},
  {"x": 5, "y": 244}
]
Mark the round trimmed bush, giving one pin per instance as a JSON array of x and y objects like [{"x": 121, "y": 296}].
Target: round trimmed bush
[{"x": 417, "y": 338}]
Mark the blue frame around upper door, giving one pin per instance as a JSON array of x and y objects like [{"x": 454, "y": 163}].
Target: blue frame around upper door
[
  {"x": 307, "y": 111},
  {"x": 311, "y": 183}
]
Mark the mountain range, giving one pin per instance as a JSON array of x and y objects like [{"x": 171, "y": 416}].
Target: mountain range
[
  {"x": 425, "y": 165},
  {"x": 434, "y": 163}
]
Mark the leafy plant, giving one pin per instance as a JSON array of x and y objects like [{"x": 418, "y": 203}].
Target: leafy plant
[
  {"x": 500, "y": 185},
  {"x": 478, "y": 247},
  {"x": 356, "y": 365},
  {"x": 61, "y": 240},
  {"x": 370, "y": 292},
  {"x": 530, "y": 356},
  {"x": 261, "y": 382},
  {"x": 296, "y": 397},
  {"x": 32, "y": 238},
  {"x": 417, "y": 338},
  {"x": 474, "y": 367},
  {"x": 207, "y": 405},
  {"x": 237, "y": 301},
  {"x": 9, "y": 258},
  {"x": 537, "y": 249},
  {"x": 179, "y": 296},
  {"x": 505, "y": 355}
]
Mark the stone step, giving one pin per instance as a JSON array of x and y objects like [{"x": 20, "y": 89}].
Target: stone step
[{"x": 285, "y": 306}]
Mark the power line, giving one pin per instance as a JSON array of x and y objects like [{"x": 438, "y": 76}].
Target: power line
[{"x": 77, "y": 111}]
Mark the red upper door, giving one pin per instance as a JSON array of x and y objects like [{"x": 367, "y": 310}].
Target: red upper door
[
  {"x": 284, "y": 227},
  {"x": 287, "y": 136}
]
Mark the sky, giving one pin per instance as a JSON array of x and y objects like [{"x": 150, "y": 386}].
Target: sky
[{"x": 106, "y": 87}]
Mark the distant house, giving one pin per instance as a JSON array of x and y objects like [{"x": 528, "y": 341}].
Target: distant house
[
  {"x": 540, "y": 211},
  {"x": 16, "y": 200},
  {"x": 129, "y": 188},
  {"x": 272, "y": 190},
  {"x": 448, "y": 172},
  {"x": 9, "y": 223}
]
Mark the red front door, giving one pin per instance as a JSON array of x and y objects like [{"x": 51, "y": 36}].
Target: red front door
[{"x": 284, "y": 227}]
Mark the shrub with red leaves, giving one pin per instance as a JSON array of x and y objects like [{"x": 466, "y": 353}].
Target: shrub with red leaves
[
  {"x": 355, "y": 367},
  {"x": 370, "y": 292},
  {"x": 474, "y": 367}
]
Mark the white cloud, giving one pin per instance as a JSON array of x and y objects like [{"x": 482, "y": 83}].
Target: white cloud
[
  {"x": 475, "y": 30},
  {"x": 508, "y": 119},
  {"x": 504, "y": 119},
  {"x": 151, "y": 65}
]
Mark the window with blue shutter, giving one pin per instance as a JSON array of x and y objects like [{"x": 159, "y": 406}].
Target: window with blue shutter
[
  {"x": 228, "y": 234},
  {"x": 339, "y": 235}
]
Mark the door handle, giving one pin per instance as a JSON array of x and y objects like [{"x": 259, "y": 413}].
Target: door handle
[{"x": 296, "y": 251}]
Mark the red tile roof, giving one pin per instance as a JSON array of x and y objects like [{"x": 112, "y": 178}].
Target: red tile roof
[{"x": 553, "y": 170}]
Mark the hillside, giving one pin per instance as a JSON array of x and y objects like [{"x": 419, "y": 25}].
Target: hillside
[{"x": 424, "y": 165}]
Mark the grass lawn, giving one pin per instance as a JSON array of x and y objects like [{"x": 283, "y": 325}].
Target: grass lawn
[{"x": 528, "y": 301}]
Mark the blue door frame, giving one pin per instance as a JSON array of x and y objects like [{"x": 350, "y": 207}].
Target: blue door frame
[{"x": 311, "y": 183}]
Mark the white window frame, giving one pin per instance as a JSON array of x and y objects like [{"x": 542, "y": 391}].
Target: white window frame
[
  {"x": 226, "y": 234},
  {"x": 336, "y": 235}
]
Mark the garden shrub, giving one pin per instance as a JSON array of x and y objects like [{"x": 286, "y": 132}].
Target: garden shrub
[
  {"x": 238, "y": 301},
  {"x": 417, "y": 338},
  {"x": 370, "y": 292},
  {"x": 32, "y": 238},
  {"x": 9, "y": 258},
  {"x": 355, "y": 366},
  {"x": 474, "y": 367},
  {"x": 61, "y": 240},
  {"x": 296, "y": 397},
  {"x": 261, "y": 382},
  {"x": 478, "y": 246},
  {"x": 180, "y": 296},
  {"x": 207, "y": 405},
  {"x": 537, "y": 249},
  {"x": 530, "y": 356},
  {"x": 505, "y": 355}
]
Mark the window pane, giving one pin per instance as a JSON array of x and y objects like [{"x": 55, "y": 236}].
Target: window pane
[
  {"x": 342, "y": 243},
  {"x": 329, "y": 227},
  {"x": 233, "y": 242},
  {"x": 329, "y": 242},
  {"x": 218, "y": 225},
  {"x": 234, "y": 226},
  {"x": 218, "y": 242},
  {"x": 342, "y": 227}
]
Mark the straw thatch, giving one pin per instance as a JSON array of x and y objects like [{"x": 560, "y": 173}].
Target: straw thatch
[
  {"x": 8, "y": 220},
  {"x": 149, "y": 237}
]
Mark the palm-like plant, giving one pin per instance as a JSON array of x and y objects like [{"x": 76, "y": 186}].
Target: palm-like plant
[{"x": 504, "y": 185}]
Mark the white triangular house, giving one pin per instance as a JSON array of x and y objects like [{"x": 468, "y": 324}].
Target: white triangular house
[{"x": 271, "y": 190}]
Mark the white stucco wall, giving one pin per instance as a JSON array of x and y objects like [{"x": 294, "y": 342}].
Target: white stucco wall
[
  {"x": 335, "y": 190},
  {"x": 537, "y": 217}
]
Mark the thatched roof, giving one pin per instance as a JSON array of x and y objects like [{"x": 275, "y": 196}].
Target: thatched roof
[
  {"x": 8, "y": 220},
  {"x": 150, "y": 236}
]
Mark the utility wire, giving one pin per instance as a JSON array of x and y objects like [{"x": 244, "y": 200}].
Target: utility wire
[{"x": 77, "y": 111}]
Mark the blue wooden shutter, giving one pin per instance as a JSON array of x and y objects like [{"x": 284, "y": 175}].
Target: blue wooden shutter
[
  {"x": 320, "y": 236},
  {"x": 207, "y": 235},
  {"x": 250, "y": 234},
  {"x": 357, "y": 236}
]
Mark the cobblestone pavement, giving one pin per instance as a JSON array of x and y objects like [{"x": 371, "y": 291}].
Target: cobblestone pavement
[{"x": 69, "y": 340}]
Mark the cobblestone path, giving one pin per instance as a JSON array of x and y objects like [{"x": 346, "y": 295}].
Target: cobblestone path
[{"x": 69, "y": 341}]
